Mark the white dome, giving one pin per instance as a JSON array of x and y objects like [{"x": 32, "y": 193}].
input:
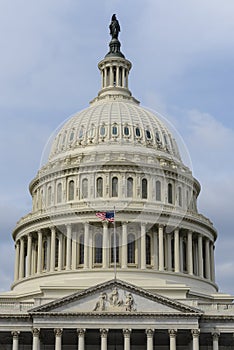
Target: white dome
[{"x": 110, "y": 122}]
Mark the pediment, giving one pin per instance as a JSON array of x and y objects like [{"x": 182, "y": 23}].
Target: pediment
[{"x": 115, "y": 296}]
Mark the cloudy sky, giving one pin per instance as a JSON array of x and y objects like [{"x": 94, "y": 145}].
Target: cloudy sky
[{"x": 183, "y": 67}]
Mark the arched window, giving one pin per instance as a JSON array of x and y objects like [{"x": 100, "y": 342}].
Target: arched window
[
  {"x": 126, "y": 131},
  {"x": 98, "y": 249},
  {"x": 45, "y": 255},
  {"x": 114, "y": 130},
  {"x": 114, "y": 187},
  {"x": 158, "y": 191},
  {"x": 148, "y": 250},
  {"x": 85, "y": 188},
  {"x": 180, "y": 196},
  {"x": 59, "y": 193},
  {"x": 71, "y": 190},
  {"x": 71, "y": 136},
  {"x": 144, "y": 189},
  {"x": 49, "y": 195},
  {"x": 115, "y": 248},
  {"x": 131, "y": 249},
  {"x": 137, "y": 132},
  {"x": 81, "y": 249},
  {"x": 130, "y": 187},
  {"x": 99, "y": 187},
  {"x": 102, "y": 130},
  {"x": 148, "y": 134},
  {"x": 170, "y": 194}
]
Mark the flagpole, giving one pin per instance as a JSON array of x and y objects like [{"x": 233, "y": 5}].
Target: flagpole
[{"x": 115, "y": 272}]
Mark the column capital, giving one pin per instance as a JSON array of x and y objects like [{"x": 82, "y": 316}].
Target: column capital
[
  {"x": 105, "y": 224},
  {"x": 58, "y": 332},
  {"x": 36, "y": 332},
  {"x": 127, "y": 332},
  {"x": 215, "y": 335},
  {"x": 52, "y": 228},
  {"x": 149, "y": 332},
  {"x": 104, "y": 332},
  {"x": 195, "y": 333},
  {"x": 161, "y": 226},
  {"x": 81, "y": 332},
  {"x": 15, "y": 334},
  {"x": 172, "y": 332}
]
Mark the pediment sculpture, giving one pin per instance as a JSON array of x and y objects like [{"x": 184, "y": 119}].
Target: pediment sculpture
[{"x": 115, "y": 301}]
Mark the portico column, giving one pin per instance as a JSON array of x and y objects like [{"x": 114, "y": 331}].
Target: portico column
[
  {"x": 143, "y": 246},
  {"x": 172, "y": 335},
  {"x": 190, "y": 252},
  {"x": 39, "y": 252},
  {"x": 195, "y": 334},
  {"x": 29, "y": 254},
  {"x": 81, "y": 338},
  {"x": 36, "y": 333},
  {"x": 104, "y": 333},
  {"x": 127, "y": 334},
  {"x": 207, "y": 267},
  {"x": 200, "y": 256},
  {"x": 17, "y": 254},
  {"x": 52, "y": 249},
  {"x": 169, "y": 262},
  {"x": 215, "y": 336},
  {"x": 161, "y": 248},
  {"x": 105, "y": 245},
  {"x": 21, "y": 266},
  {"x": 15, "y": 340},
  {"x": 68, "y": 252},
  {"x": 150, "y": 338},
  {"x": 177, "y": 250},
  {"x": 124, "y": 245},
  {"x": 156, "y": 250},
  {"x": 58, "y": 338},
  {"x": 86, "y": 245}
]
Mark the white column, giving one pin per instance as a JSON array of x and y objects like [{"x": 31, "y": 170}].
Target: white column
[
  {"x": 36, "y": 333},
  {"x": 124, "y": 245},
  {"x": 105, "y": 245},
  {"x": 21, "y": 265},
  {"x": 60, "y": 252},
  {"x": 123, "y": 77},
  {"x": 52, "y": 249},
  {"x": 81, "y": 338},
  {"x": 200, "y": 256},
  {"x": 212, "y": 263},
  {"x": 150, "y": 338},
  {"x": 74, "y": 250},
  {"x": 48, "y": 238},
  {"x": 156, "y": 250},
  {"x": 39, "y": 252},
  {"x": 215, "y": 336},
  {"x": 105, "y": 77},
  {"x": 190, "y": 252},
  {"x": 104, "y": 333},
  {"x": 143, "y": 246},
  {"x": 127, "y": 334},
  {"x": 172, "y": 335},
  {"x": 161, "y": 248},
  {"x": 68, "y": 252},
  {"x": 86, "y": 245},
  {"x": 111, "y": 76},
  {"x": 169, "y": 262},
  {"x": 29, "y": 254},
  {"x": 195, "y": 334},
  {"x": 117, "y": 76},
  {"x": 17, "y": 254},
  {"x": 15, "y": 340},
  {"x": 177, "y": 250},
  {"x": 58, "y": 338},
  {"x": 207, "y": 267}
]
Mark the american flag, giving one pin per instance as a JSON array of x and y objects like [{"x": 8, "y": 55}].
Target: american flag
[{"x": 106, "y": 215}]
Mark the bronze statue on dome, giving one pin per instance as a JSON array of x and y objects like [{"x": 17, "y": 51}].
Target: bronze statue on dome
[{"x": 114, "y": 27}]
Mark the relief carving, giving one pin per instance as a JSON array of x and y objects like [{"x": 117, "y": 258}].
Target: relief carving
[{"x": 115, "y": 301}]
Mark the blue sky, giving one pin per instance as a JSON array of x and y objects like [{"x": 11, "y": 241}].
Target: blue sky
[{"x": 183, "y": 66}]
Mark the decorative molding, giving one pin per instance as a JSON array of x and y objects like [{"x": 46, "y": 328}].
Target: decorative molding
[
  {"x": 127, "y": 332},
  {"x": 58, "y": 332},
  {"x": 81, "y": 332},
  {"x": 149, "y": 332},
  {"x": 36, "y": 332},
  {"x": 15, "y": 334},
  {"x": 172, "y": 333},
  {"x": 195, "y": 333}
]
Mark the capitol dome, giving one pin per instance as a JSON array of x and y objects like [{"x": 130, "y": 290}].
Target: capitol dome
[{"x": 117, "y": 158}]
